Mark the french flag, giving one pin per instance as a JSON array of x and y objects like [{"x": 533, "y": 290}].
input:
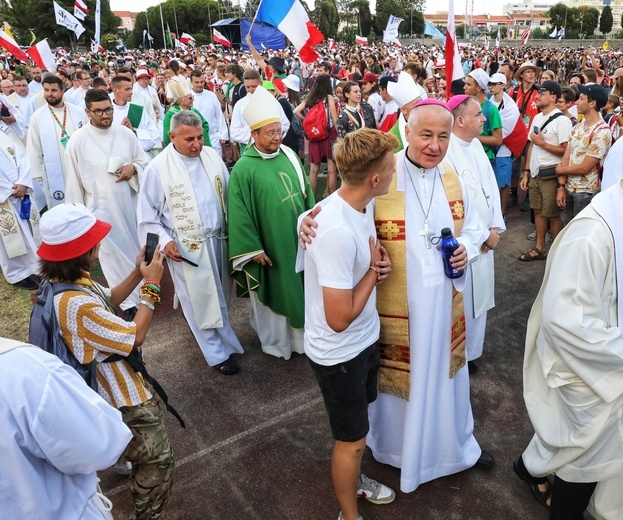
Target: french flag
[
  {"x": 454, "y": 69},
  {"x": 290, "y": 18},
  {"x": 217, "y": 37},
  {"x": 514, "y": 131},
  {"x": 42, "y": 55}
]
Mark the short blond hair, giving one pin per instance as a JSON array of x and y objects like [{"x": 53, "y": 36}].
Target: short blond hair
[{"x": 361, "y": 152}]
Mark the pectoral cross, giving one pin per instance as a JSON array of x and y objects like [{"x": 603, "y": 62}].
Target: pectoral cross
[{"x": 427, "y": 232}]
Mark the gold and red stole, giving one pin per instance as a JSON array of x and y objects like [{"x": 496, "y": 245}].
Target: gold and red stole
[{"x": 391, "y": 296}]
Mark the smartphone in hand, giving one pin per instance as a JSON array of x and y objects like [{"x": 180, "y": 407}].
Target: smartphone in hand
[
  {"x": 535, "y": 129},
  {"x": 150, "y": 246}
]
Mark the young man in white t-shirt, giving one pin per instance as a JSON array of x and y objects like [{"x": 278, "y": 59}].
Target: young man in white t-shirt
[{"x": 343, "y": 265}]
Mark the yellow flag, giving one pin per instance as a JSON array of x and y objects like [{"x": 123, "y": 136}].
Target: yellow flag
[
  {"x": 7, "y": 30},
  {"x": 605, "y": 46}
]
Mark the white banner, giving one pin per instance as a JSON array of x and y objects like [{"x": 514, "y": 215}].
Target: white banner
[
  {"x": 390, "y": 34},
  {"x": 79, "y": 14},
  {"x": 68, "y": 20}
]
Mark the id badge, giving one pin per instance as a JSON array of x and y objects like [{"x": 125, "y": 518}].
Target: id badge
[
  {"x": 65, "y": 140},
  {"x": 526, "y": 121}
]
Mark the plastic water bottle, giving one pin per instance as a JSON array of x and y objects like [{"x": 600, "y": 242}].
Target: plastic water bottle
[
  {"x": 448, "y": 246},
  {"x": 24, "y": 210}
]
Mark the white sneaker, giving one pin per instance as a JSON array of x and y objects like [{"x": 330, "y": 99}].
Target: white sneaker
[
  {"x": 548, "y": 237},
  {"x": 122, "y": 466},
  {"x": 340, "y": 517},
  {"x": 532, "y": 236},
  {"x": 374, "y": 492}
]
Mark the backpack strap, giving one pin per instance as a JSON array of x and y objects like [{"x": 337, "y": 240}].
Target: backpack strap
[{"x": 555, "y": 116}]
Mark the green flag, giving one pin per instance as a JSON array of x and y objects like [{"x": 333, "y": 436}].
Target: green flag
[{"x": 169, "y": 40}]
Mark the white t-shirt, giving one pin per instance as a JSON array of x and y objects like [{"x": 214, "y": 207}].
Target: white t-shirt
[
  {"x": 556, "y": 132},
  {"x": 338, "y": 258}
]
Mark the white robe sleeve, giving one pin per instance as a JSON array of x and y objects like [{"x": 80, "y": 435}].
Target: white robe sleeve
[
  {"x": 239, "y": 130},
  {"x": 74, "y": 190},
  {"x": 151, "y": 205}
]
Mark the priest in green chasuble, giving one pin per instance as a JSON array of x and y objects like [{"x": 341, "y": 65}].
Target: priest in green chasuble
[{"x": 268, "y": 189}]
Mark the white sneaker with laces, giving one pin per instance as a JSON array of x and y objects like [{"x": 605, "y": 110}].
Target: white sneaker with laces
[
  {"x": 340, "y": 517},
  {"x": 374, "y": 492}
]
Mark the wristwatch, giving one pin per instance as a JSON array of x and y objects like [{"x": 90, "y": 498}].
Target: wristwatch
[{"x": 560, "y": 185}]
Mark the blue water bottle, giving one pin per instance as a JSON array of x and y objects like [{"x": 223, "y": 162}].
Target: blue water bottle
[
  {"x": 24, "y": 210},
  {"x": 448, "y": 246}
]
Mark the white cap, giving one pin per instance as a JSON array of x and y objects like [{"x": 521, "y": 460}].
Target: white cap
[
  {"x": 498, "y": 77},
  {"x": 262, "y": 109},
  {"x": 481, "y": 77},
  {"x": 404, "y": 90}
]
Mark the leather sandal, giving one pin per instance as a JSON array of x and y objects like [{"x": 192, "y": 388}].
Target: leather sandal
[
  {"x": 527, "y": 257},
  {"x": 541, "y": 496}
]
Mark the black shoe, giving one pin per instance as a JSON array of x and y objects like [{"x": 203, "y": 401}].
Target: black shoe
[
  {"x": 129, "y": 314},
  {"x": 227, "y": 367},
  {"x": 472, "y": 367},
  {"x": 28, "y": 284},
  {"x": 541, "y": 496},
  {"x": 486, "y": 460}
]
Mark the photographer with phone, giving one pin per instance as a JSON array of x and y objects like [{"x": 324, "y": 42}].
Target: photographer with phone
[
  {"x": 182, "y": 200},
  {"x": 548, "y": 141},
  {"x": 71, "y": 238}
]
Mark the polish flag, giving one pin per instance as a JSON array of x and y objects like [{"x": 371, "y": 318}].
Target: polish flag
[
  {"x": 290, "y": 17},
  {"x": 331, "y": 43},
  {"x": 454, "y": 69},
  {"x": 8, "y": 43},
  {"x": 514, "y": 131},
  {"x": 42, "y": 55},
  {"x": 186, "y": 38},
  {"x": 79, "y": 4},
  {"x": 361, "y": 40},
  {"x": 217, "y": 37}
]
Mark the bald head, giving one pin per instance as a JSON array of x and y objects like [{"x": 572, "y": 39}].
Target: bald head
[{"x": 6, "y": 86}]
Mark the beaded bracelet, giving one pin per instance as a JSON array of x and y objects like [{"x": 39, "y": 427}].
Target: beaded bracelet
[
  {"x": 147, "y": 304},
  {"x": 153, "y": 282}
]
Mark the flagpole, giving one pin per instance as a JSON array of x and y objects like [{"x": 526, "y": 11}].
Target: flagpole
[
  {"x": 164, "y": 38},
  {"x": 253, "y": 21},
  {"x": 177, "y": 30},
  {"x": 148, "y": 33}
]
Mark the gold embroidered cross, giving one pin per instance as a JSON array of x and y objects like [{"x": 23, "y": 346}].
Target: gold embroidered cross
[
  {"x": 458, "y": 209},
  {"x": 389, "y": 230}
]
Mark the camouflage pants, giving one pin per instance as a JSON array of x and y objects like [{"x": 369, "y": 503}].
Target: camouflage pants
[{"x": 151, "y": 456}]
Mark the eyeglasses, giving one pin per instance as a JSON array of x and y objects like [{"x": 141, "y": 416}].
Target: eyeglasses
[
  {"x": 272, "y": 134},
  {"x": 100, "y": 112}
]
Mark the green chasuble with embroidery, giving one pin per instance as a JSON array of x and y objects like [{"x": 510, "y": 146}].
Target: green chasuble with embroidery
[{"x": 264, "y": 202}]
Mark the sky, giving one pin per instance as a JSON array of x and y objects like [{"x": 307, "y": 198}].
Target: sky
[{"x": 432, "y": 6}]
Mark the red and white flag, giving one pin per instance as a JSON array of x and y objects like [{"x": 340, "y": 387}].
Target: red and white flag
[
  {"x": 80, "y": 9},
  {"x": 361, "y": 40},
  {"x": 514, "y": 131},
  {"x": 454, "y": 69},
  {"x": 525, "y": 36},
  {"x": 331, "y": 43},
  {"x": 217, "y": 37},
  {"x": 8, "y": 43},
  {"x": 42, "y": 55},
  {"x": 186, "y": 38}
]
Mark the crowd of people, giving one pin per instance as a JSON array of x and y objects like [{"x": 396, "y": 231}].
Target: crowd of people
[{"x": 207, "y": 151}]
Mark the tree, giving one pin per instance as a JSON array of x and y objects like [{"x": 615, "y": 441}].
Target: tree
[
  {"x": 413, "y": 20},
  {"x": 606, "y": 20},
  {"x": 193, "y": 17},
  {"x": 589, "y": 19},
  {"x": 559, "y": 15},
  {"x": 38, "y": 15},
  {"x": 364, "y": 16},
  {"x": 326, "y": 17},
  {"x": 385, "y": 8}
]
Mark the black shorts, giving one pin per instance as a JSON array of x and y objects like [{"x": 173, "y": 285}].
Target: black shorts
[{"x": 347, "y": 389}]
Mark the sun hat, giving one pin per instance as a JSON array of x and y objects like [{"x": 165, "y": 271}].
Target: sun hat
[
  {"x": 523, "y": 67},
  {"x": 292, "y": 82},
  {"x": 69, "y": 231},
  {"x": 278, "y": 63}
]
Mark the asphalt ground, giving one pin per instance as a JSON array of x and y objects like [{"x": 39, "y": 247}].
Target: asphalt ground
[{"x": 257, "y": 445}]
